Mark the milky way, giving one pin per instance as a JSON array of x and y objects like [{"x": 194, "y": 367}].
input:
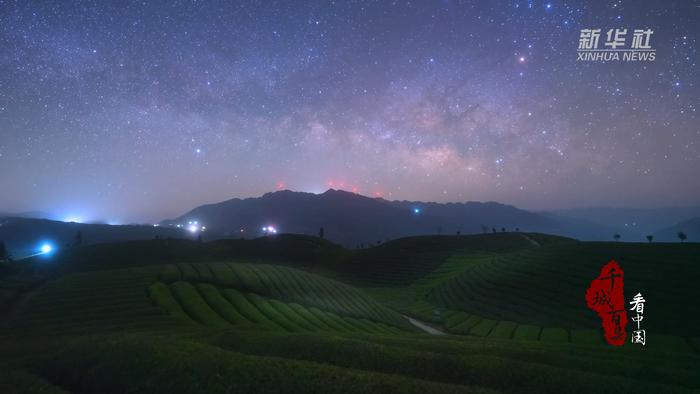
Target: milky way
[{"x": 140, "y": 110}]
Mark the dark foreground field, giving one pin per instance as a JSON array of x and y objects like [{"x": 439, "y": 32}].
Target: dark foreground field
[{"x": 298, "y": 314}]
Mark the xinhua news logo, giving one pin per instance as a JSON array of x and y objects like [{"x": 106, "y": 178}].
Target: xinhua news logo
[{"x": 615, "y": 46}]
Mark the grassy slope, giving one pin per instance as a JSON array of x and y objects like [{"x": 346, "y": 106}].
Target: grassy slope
[
  {"x": 159, "y": 298},
  {"x": 224, "y": 326},
  {"x": 545, "y": 286},
  {"x": 142, "y": 364},
  {"x": 400, "y": 262},
  {"x": 536, "y": 293},
  {"x": 217, "y": 361},
  {"x": 286, "y": 249}
]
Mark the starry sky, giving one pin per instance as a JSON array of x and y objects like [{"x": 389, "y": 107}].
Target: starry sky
[{"x": 135, "y": 111}]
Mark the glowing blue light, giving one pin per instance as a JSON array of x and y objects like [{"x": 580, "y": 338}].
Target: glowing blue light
[
  {"x": 193, "y": 228},
  {"x": 416, "y": 211},
  {"x": 45, "y": 248},
  {"x": 548, "y": 6}
]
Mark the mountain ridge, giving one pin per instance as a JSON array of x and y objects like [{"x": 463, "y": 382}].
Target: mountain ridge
[{"x": 355, "y": 220}]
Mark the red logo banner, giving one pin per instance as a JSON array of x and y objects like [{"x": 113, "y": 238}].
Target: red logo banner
[{"x": 606, "y": 297}]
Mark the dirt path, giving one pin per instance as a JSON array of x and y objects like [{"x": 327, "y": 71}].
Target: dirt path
[
  {"x": 532, "y": 241},
  {"x": 425, "y": 326}
]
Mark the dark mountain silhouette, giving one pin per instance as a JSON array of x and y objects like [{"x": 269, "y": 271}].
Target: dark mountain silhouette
[
  {"x": 353, "y": 220},
  {"x": 348, "y": 219},
  {"x": 690, "y": 227}
]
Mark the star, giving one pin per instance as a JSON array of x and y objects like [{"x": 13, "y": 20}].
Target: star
[{"x": 406, "y": 99}]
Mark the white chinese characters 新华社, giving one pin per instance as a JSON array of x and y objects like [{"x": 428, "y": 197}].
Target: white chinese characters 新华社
[{"x": 615, "y": 46}]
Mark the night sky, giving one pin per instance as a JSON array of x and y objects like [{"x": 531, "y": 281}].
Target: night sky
[{"x": 137, "y": 111}]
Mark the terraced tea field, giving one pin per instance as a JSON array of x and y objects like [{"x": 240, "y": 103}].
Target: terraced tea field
[
  {"x": 544, "y": 285},
  {"x": 403, "y": 261},
  {"x": 537, "y": 293},
  {"x": 78, "y": 304},
  {"x": 213, "y": 307},
  {"x": 208, "y": 294},
  {"x": 514, "y": 310}
]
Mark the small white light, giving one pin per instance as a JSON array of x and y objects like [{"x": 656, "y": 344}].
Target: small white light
[
  {"x": 46, "y": 248},
  {"x": 193, "y": 228}
]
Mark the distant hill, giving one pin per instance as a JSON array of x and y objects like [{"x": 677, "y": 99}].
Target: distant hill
[
  {"x": 402, "y": 261},
  {"x": 27, "y": 215},
  {"x": 690, "y": 227},
  {"x": 349, "y": 219},
  {"x": 288, "y": 249},
  {"x": 355, "y": 220},
  {"x": 23, "y": 236},
  {"x": 632, "y": 223}
]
